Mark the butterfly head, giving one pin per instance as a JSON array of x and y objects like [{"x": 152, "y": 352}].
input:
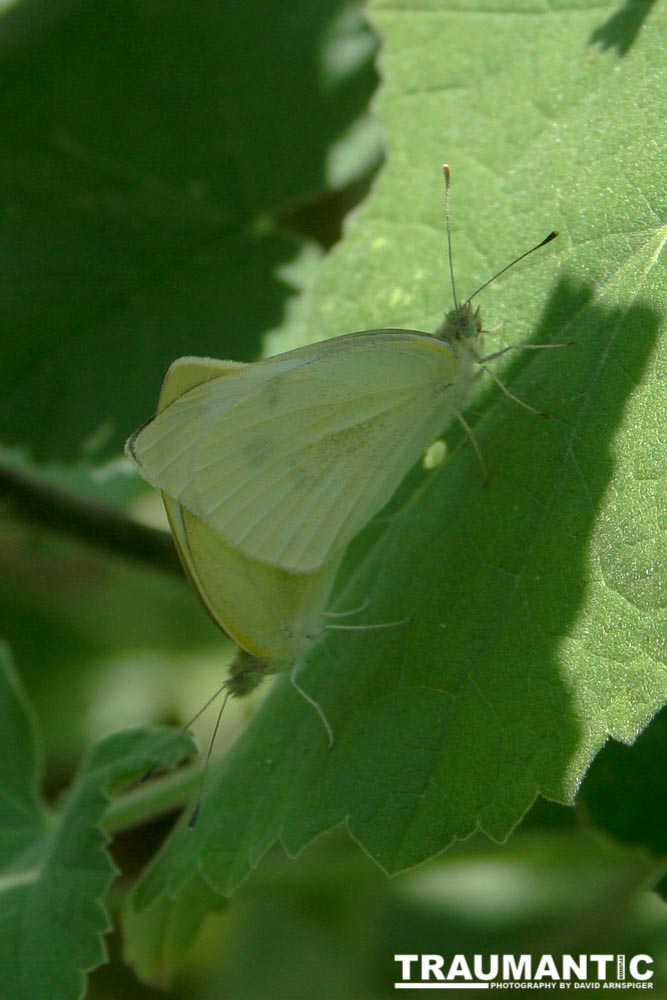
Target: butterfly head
[
  {"x": 462, "y": 323},
  {"x": 245, "y": 674}
]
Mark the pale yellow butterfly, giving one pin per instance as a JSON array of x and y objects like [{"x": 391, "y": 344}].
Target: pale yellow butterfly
[
  {"x": 273, "y": 615},
  {"x": 288, "y": 458}
]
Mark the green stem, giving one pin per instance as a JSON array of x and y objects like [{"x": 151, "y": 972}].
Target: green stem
[
  {"x": 96, "y": 524},
  {"x": 154, "y": 798}
]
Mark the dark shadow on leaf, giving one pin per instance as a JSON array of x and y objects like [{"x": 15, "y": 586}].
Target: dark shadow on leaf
[
  {"x": 625, "y": 791},
  {"x": 620, "y": 30},
  {"x": 661, "y": 888},
  {"x": 145, "y": 146},
  {"x": 29, "y": 19}
]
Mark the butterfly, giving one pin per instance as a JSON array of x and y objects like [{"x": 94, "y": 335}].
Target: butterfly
[
  {"x": 288, "y": 458},
  {"x": 274, "y": 616}
]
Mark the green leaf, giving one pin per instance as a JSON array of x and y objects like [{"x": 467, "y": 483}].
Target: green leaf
[
  {"x": 56, "y": 869},
  {"x": 24, "y": 818},
  {"x": 536, "y": 605},
  {"x": 157, "y": 939},
  {"x": 144, "y": 148}
]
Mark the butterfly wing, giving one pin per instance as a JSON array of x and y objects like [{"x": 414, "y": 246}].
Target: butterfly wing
[
  {"x": 288, "y": 458},
  {"x": 272, "y": 614}
]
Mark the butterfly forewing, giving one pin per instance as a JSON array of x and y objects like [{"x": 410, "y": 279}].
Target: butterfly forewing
[{"x": 289, "y": 458}]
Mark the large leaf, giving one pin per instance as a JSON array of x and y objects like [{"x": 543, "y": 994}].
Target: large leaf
[
  {"x": 536, "y": 604},
  {"x": 143, "y": 148}
]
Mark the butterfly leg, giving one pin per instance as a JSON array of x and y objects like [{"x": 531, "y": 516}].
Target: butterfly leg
[
  {"x": 510, "y": 395},
  {"x": 473, "y": 441},
  {"x": 345, "y": 614},
  {"x": 521, "y": 347},
  {"x": 311, "y": 701}
]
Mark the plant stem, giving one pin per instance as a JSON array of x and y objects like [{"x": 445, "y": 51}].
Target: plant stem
[
  {"x": 145, "y": 802},
  {"x": 107, "y": 529}
]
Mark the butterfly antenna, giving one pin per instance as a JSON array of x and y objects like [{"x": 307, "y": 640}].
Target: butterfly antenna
[
  {"x": 547, "y": 239},
  {"x": 153, "y": 768},
  {"x": 200, "y": 795},
  {"x": 448, "y": 180}
]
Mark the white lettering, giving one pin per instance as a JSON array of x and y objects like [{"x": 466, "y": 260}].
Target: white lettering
[
  {"x": 547, "y": 968},
  {"x": 577, "y": 971},
  {"x": 432, "y": 966},
  {"x": 602, "y": 961},
  {"x": 634, "y": 967},
  {"x": 620, "y": 966},
  {"x": 513, "y": 969},
  {"x": 570, "y": 965},
  {"x": 406, "y": 961},
  {"x": 478, "y": 965},
  {"x": 459, "y": 967}
]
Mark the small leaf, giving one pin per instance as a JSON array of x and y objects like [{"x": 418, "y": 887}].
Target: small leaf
[{"x": 56, "y": 869}]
